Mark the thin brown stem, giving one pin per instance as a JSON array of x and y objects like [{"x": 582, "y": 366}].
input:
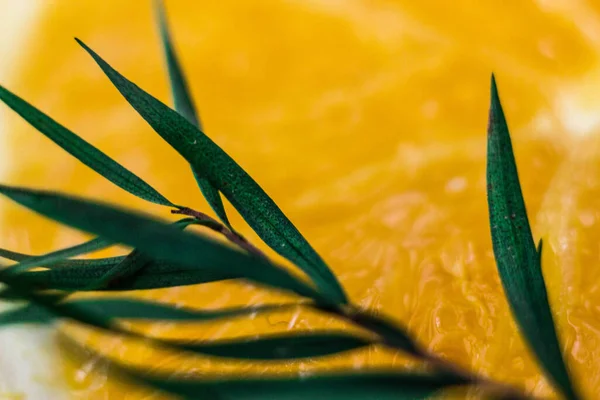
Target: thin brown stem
[
  {"x": 500, "y": 390},
  {"x": 218, "y": 227},
  {"x": 394, "y": 338},
  {"x": 390, "y": 335}
]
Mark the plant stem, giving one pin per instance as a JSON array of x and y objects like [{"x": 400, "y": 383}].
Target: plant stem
[
  {"x": 391, "y": 335},
  {"x": 500, "y": 390},
  {"x": 218, "y": 227},
  {"x": 395, "y": 338}
]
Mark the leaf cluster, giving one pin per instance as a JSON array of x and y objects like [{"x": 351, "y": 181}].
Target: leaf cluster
[{"x": 165, "y": 254}]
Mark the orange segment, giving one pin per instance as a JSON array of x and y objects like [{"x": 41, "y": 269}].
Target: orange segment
[
  {"x": 365, "y": 121},
  {"x": 570, "y": 217}
]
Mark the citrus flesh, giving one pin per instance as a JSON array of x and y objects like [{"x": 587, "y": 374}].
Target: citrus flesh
[{"x": 365, "y": 121}]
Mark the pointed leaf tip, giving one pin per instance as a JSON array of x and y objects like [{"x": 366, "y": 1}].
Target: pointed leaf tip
[
  {"x": 244, "y": 193},
  {"x": 495, "y": 97}
]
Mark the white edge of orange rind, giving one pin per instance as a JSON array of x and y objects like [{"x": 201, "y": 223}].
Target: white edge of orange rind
[{"x": 30, "y": 365}]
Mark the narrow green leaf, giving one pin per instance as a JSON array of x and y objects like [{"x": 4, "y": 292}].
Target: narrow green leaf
[
  {"x": 210, "y": 161},
  {"x": 155, "y": 275},
  {"x": 270, "y": 347},
  {"x": 54, "y": 308},
  {"x": 82, "y": 150},
  {"x": 84, "y": 314},
  {"x": 288, "y": 346},
  {"x": 133, "y": 309},
  {"x": 392, "y": 334},
  {"x": 59, "y": 255},
  {"x": 79, "y": 313},
  {"x": 28, "y": 314},
  {"x": 371, "y": 384},
  {"x": 157, "y": 239},
  {"x": 84, "y": 262},
  {"x": 184, "y": 105},
  {"x": 94, "y": 263},
  {"x": 13, "y": 255},
  {"x": 516, "y": 256},
  {"x": 375, "y": 385},
  {"x": 132, "y": 264},
  {"x": 9, "y": 294},
  {"x": 113, "y": 273},
  {"x": 151, "y": 310},
  {"x": 212, "y": 196}
]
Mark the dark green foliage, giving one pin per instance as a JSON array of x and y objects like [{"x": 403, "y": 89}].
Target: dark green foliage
[
  {"x": 156, "y": 274},
  {"x": 210, "y": 161},
  {"x": 349, "y": 386},
  {"x": 155, "y": 238},
  {"x": 56, "y": 256},
  {"x": 269, "y": 347},
  {"x": 288, "y": 346},
  {"x": 184, "y": 105},
  {"x": 82, "y": 150},
  {"x": 134, "y": 309},
  {"x": 273, "y": 347},
  {"x": 132, "y": 264},
  {"x": 28, "y": 314},
  {"x": 164, "y": 255},
  {"x": 517, "y": 258},
  {"x": 390, "y": 333},
  {"x": 369, "y": 384}
]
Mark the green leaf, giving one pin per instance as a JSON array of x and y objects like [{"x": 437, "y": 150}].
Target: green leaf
[
  {"x": 365, "y": 385},
  {"x": 86, "y": 262},
  {"x": 373, "y": 384},
  {"x": 270, "y": 347},
  {"x": 257, "y": 208},
  {"x": 82, "y": 150},
  {"x": 28, "y": 314},
  {"x": 393, "y": 335},
  {"x": 133, "y": 309},
  {"x": 76, "y": 312},
  {"x": 151, "y": 310},
  {"x": 212, "y": 197},
  {"x": 84, "y": 314},
  {"x": 156, "y": 239},
  {"x": 516, "y": 256},
  {"x": 53, "y": 308},
  {"x": 184, "y": 105},
  {"x": 28, "y": 262},
  {"x": 288, "y": 346},
  {"x": 82, "y": 270},
  {"x": 132, "y": 264},
  {"x": 56, "y": 256},
  {"x": 13, "y": 255},
  {"x": 108, "y": 273},
  {"x": 155, "y": 275},
  {"x": 10, "y": 294}
]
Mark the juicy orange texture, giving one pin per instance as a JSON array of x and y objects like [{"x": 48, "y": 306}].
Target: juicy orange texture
[{"x": 365, "y": 121}]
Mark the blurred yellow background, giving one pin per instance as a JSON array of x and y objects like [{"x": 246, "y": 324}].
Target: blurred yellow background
[{"x": 365, "y": 121}]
